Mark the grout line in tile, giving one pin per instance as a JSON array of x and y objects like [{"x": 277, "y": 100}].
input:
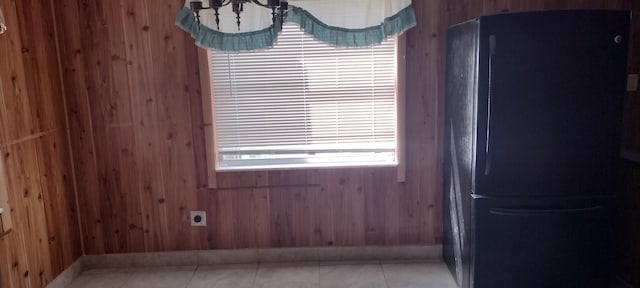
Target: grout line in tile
[
  {"x": 410, "y": 261},
  {"x": 318, "y": 271},
  {"x": 349, "y": 262},
  {"x": 318, "y": 267},
  {"x": 129, "y": 276},
  {"x": 318, "y": 257},
  {"x": 255, "y": 275},
  {"x": 193, "y": 274},
  {"x": 386, "y": 282}
]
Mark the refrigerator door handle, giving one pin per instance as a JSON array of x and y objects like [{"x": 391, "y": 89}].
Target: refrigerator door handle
[
  {"x": 541, "y": 212},
  {"x": 487, "y": 147}
]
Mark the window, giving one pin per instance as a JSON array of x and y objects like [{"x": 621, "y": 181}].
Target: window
[{"x": 304, "y": 103}]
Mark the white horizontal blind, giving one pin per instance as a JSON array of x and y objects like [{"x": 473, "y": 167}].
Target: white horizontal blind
[{"x": 304, "y": 103}]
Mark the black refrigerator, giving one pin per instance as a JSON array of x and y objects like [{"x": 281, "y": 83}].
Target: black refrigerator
[{"x": 532, "y": 139}]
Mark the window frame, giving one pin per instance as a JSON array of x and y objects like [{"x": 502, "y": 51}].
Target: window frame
[{"x": 211, "y": 145}]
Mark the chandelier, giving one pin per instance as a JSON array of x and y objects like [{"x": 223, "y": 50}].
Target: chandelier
[{"x": 278, "y": 8}]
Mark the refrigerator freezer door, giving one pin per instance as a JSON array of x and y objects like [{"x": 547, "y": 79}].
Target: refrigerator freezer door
[
  {"x": 551, "y": 86},
  {"x": 541, "y": 243}
]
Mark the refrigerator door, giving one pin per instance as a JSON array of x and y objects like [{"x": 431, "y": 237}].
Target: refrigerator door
[
  {"x": 551, "y": 86},
  {"x": 533, "y": 243},
  {"x": 462, "y": 43}
]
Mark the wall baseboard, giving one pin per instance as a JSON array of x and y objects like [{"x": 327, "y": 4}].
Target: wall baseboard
[
  {"x": 248, "y": 256},
  {"x": 68, "y": 275}
]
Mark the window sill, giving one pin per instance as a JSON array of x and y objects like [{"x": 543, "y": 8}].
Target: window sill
[{"x": 305, "y": 167}]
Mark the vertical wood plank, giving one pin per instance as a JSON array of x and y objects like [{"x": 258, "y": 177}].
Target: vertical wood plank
[
  {"x": 131, "y": 204},
  {"x": 73, "y": 50},
  {"x": 251, "y": 218},
  {"x": 16, "y": 109},
  {"x": 3, "y": 115},
  {"x": 347, "y": 192},
  {"x": 27, "y": 204},
  {"x": 251, "y": 211},
  {"x": 422, "y": 93},
  {"x": 101, "y": 79},
  {"x": 323, "y": 229},
  {"x": 39, "y": 51},
  {"x": 98, "y": 78},
  {"x": 392, "y": 214},
  {"x": 497, "y": 6},
  {"x": 12, "y": 249},
  {"x": 379, "y": 217},
  {"x": 173, "y": 112},
  {"x": 225, "y": 238},
  {"x": 291, "y": 209},
  {"x": 15, "y": 265},
  {"x": 122, "y": 211},
  {"x": 118, "y": 108},
  {"x": 302, "y": 200},
  {"x": 59, "y": 200},
  {"x": 281, "y": 209},
  {"x": 432, "y": 201},
  {"x": 147, "y": 127},
  {"x": 207, "y": 201}
]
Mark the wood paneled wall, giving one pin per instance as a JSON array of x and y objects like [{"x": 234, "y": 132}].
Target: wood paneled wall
[
  {"x": 34, "y": 150},
  {"x": 136, "y": 122}
]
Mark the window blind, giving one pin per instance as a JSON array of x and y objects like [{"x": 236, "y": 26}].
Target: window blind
[{"x": 304, "y": 103}]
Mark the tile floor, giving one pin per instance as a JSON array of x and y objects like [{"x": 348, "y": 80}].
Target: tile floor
[{"x": 280, "y": 275}]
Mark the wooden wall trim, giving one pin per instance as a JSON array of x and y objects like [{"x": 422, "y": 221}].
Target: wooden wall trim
[
  {"x": 209, "y": 117},
  {"x": 5, "y": 217},
  {"x": 401, "y": 110}
]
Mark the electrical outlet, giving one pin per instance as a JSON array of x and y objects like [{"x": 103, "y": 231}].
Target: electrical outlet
[{"x": 198, "y": 218}]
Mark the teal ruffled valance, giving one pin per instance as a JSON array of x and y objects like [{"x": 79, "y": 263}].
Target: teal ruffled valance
[
  {"x": 208, "y": 38},
  {"x": 256, "y": 40}
]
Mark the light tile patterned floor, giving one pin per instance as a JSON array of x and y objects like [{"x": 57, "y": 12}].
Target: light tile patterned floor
[{"x": 281, "y": 275}]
